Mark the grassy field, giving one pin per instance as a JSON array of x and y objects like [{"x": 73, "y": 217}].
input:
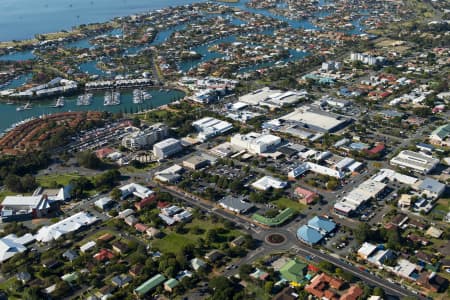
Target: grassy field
[
  {"x": 133, "y": 170},
  {"x": 286, "y": 202},
  {"x": 443, "y": 205},
  {"x": 175, "y": 242},
  {"x": 48, "y": 181}
]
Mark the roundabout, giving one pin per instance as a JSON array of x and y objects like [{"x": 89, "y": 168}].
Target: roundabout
[{"x": 275, "y": 239}]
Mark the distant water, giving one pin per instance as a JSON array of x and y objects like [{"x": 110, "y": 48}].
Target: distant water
[{"x": 22, "y": 19}]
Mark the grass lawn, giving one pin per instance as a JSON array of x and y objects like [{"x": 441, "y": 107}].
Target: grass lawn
[
  {"x": 443, "y": 205},
  {"x": 60, "y": 179},
  {"x": 132, "y": 170},
  {"x": 286, "y": 202},
  {"x": 174, "y": 242}
]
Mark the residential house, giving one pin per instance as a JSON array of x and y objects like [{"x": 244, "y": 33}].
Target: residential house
[
  {"x": 120, "y": 248},
  {"x": 121, "y": 280},
  {"x": 141, "y": 227},
  {"x": 70, "y": 255},
  {"x": 294, "y": 271},
  {"x": 171, "y": 284},
  {"x": 136, "y": 270},
  {"x": 131, "y": 220},
  {"x": 213, "y": 255},
  {"x": 103, "y": 255},
  {"x": 149, "y": 285},
  {"x": 237, "y": 242},
  {"x": 197, "y": 264},
  {"x": 152, "y": 232}
]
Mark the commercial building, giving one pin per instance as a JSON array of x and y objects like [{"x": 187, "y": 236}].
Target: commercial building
[
  {"x": 323, "y": 225},
  {"x": 316, "y": 168},
  {"x": 235, "y": 204},
  {"x": 315, "y": 230},
  {"x": 135, "y": 189},
  {"x": 415, "y": 161},
  {"x": 309, "y": 235},
  {"x": 369, "y": 189},
  {"x": 70, "y": 224},
  {"x": 140, "y": 139},
  {"x": 167, "y": 148},
  {"x": 209, "y": 127},
  {"x": 366, "y": 191},
  {"x": 169, "y": 175},
  {"x": 306, "y": 196},
  {"x": 306, "y": 121},
  {"x": 441, "y": 136},
  {"x": 367, "y": 59},
  {"x": 10, "y": 245},
  {"x": 255, "y": 143},
  {"x": 104, "y": 203},
  {"x": 431, "y": 188},
  {"x": 268, "y": 182},
  {"x": 195, "y": 162},
  {"x": 14, "y": 207},
  {"x": 272, "y": 98}
]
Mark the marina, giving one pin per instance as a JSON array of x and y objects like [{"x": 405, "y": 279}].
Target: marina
[{"x": 16, "y": 113}]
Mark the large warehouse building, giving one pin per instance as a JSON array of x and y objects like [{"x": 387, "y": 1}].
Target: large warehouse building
[
  {"x": 415, "y": 161},
  {"x": 210, "y": 127},
  {"x": 255, "y": 143},
  {"x": 310, "y": 119}
]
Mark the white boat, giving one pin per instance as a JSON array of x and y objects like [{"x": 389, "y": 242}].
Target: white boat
[
  {"x": 27, "y": 106},
  {"x": 84, "y": 100},
  {"x": 112, "y": 98},
  {"x": 59, "y": 102},
  {"x": 139, "y": 96}
]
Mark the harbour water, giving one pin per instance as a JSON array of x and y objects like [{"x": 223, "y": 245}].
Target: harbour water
[{"x": 9, "y": 115}]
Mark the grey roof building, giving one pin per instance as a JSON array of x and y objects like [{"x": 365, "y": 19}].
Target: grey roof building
[
  {"x": 235, "y": 204},
  {"x": 432, "y": 188}
]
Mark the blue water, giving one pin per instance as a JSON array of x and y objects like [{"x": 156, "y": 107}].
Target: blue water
[
  {"x": 22, "y": 19},
  {"x": 15, "y": 83},
  {"x": 9, "y": 115}
]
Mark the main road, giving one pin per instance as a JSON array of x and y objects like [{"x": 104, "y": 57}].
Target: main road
[{"x": 292, "y": 243}]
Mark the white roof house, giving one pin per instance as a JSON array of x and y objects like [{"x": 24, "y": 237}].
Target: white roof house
[
  {"x": 10, "y": 245},
  {"x": 70, "y": 224},
  {"x": 87, "y": 246},
  {"x": 268, "y": 182},
  {"x": 366, "y": 250},
  {"x": 135, "y": 189}
]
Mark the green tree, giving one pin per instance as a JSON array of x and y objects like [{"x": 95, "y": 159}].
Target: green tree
[{"x": 116, "y": 194}]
